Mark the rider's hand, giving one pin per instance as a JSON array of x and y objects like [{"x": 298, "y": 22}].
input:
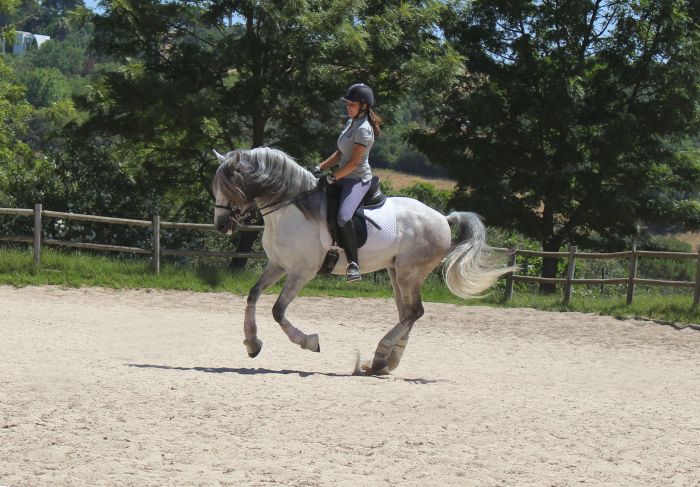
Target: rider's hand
[{"x": 330, "y": 179}]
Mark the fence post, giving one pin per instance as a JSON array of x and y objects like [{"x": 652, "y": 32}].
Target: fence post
[
  {"x": 696, "y": 296},
  {"x": 633, "y": 275},
  {"x": 570, "y": 268},
  {"x": 509, "y": 277},
  {"x": 37, "y": 234},
  {"x": 155, "y": 259}
]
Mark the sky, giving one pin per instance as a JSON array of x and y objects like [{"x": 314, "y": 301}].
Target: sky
[{"x": 91, "y": 4}]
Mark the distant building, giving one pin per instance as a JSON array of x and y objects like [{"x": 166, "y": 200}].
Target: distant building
[{"x": 24, "y": 41}]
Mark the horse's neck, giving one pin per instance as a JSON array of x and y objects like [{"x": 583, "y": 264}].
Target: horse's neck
[
  {"x": 311, "y": 202},
  {"x": 272, "y": 195}
]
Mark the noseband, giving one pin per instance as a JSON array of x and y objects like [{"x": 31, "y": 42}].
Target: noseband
[{"x": 236, "y": 214}]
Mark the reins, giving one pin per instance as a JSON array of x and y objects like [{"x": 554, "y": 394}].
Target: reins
[
  {"x": 237, "y": 215},
  {"x": 293, "y": 201}
]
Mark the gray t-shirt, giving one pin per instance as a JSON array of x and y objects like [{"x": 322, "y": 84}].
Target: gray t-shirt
[{"x": 356, "y": 131}]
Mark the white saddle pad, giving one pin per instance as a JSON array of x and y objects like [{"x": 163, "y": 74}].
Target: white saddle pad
[{"x": 377, "y": 239}]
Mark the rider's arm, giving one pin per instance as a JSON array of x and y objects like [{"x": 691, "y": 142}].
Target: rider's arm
[
  {"x": 358, "y": 152},
  {"x": 331, "y": 161}
]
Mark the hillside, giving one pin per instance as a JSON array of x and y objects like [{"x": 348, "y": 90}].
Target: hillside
[{"x": 401, "y": 180}]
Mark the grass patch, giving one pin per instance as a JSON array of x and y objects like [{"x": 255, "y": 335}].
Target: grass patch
[
  {"x": 78, "y": 269},
  {"x": 75, "y": 269},
  {"x": 675, "y": 309}
]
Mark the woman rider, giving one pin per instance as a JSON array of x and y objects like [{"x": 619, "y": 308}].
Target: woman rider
[{"x": 352, "y": 158}]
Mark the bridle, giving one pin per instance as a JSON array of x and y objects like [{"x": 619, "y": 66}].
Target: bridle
[{"x": 237, "y": 215}]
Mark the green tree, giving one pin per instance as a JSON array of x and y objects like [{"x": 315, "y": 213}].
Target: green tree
[
  {"x": 15, "y": 113},
  {"x": 562, "y": 124},
  {"x": 7, "y": 9},
  {"x": 265, "y": 76},
  {"x": 46, "y": 17},
  {"x": 199, "y": 75},
  {"x": 68, "y": 56},
  {"x": 45, "y": 86},
  {"x": 62, "y": 6},
  {"x": 426, "y": 193}
]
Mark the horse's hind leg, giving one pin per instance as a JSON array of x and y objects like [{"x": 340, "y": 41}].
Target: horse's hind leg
[
  {"x": 270, "y": 275},
  {"x": 392, "y": 345},
  {"x": 397, "y": 352},
  {"x": 397, "y": 291},
  {"x": 291, "y": 289}
]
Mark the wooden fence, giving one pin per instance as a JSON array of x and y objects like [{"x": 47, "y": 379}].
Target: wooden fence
[
  {"x": 630, "y": 281},
  {"x": 156, "y": 251}
]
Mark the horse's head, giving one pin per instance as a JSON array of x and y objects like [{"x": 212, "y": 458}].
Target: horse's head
[
  {"x": 228, "y": 187},
  {"x": 265, "y": 177}
]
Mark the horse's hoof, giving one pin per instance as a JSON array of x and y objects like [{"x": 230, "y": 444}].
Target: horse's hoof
[
  {"x": 311, "y": 343},
  {"x": 253, "y": 348},
  {"x": 382, "y": 371},
  {"x": 378, "y": 369}
]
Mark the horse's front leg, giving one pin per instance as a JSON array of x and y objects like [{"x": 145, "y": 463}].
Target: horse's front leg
[
  {"x": 270, "y": 275},
  {"x": 291, "y": 289}
]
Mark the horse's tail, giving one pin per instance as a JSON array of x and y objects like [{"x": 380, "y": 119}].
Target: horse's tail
[{"x": 471, "y": 267}]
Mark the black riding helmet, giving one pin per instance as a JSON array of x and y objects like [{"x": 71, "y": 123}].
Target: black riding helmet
[{"x": 360, "y": 92}]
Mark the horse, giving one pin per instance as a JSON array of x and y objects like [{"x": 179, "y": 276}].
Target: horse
[{"x": 296, "y": 240}]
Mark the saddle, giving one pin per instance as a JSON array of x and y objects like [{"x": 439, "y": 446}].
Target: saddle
[{"x": 372, "y": 200}]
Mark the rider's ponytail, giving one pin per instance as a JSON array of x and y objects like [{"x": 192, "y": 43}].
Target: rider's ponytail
[{"x": 376, "y": 122}]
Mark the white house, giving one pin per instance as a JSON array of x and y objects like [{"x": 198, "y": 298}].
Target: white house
[{"x": 24, "y": 41}]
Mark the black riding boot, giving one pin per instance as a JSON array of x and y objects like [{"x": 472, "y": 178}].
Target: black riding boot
[{"x": 347, "y": 232}]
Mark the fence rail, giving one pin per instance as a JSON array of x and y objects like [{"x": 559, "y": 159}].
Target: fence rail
[
  {"x": 631, "y": 281},
  {"x": 156, "y": 225},
  {"x": 156, "y": 252}
]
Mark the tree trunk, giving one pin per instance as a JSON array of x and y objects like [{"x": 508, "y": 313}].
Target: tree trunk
[
  {"x": 246, "y": 242},
  {"x": 550, "y": 265},
  {"x": 259, "y": 122},
  {"x": 550, "y": 243},
  {"x": 258, "y": 126}
]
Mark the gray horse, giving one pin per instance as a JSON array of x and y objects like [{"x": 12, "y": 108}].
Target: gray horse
[{"x": 296, "y": 241}]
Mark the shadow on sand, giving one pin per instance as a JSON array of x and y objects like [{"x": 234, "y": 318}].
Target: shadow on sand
[{"x": 263, "y": 371}]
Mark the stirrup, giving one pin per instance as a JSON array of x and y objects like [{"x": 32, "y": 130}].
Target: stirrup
[{"x": 352, "y": 272}]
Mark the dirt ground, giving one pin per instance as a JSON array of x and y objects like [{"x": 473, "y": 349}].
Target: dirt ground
[{"x": 137, "y": 388}]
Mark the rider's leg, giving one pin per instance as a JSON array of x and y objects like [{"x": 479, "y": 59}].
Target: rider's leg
[
  {"x": 351, "y": 194},
  {"x": 347, "y": 232}
]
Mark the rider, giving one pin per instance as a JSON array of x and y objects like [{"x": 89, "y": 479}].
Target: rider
[{"x": 352, "y": 158}]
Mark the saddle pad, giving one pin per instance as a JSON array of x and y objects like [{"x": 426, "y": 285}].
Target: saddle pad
[{"x": 385, "y": 217}]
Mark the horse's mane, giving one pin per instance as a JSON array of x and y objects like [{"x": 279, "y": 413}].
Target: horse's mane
[{"x": 267, "y": 175}]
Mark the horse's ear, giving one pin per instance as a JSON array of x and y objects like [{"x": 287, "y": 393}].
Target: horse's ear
[{"x": 219, "y": 157}]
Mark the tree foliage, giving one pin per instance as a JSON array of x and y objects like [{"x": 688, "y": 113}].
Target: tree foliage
[
  {"x": 252, "y": 72},
  {"x": 562, "y": 124},
  {"x": 193, "y": 76},
  {"x": 572, "y": 122},
  {"x": 15, "y": 112}
]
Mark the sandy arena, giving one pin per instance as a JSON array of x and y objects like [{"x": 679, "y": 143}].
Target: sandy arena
[{"x": 106, "y": 388}]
